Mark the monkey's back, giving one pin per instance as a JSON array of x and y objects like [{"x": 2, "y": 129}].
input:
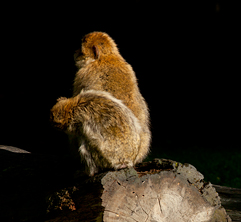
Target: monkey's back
[{"x": 111, "y": 73}]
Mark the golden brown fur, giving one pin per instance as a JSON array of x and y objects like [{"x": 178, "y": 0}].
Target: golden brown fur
[
  {"x": 108, "y": 132},
  {"x": 107, "y": 114},
  {"x": 101, "y": 67}
]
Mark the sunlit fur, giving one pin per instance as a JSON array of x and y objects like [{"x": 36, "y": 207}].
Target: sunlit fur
[
  {"x": 108, "y": 132},
  {"x": 111, "y": 73},
  {"x": 107, "y": 114}
]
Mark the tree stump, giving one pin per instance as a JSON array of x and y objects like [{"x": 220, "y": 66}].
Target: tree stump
[
  {"x": 161, "y": 190},
  {"x": 37, "y": 187},
  {"x": 170, "y": 192}
]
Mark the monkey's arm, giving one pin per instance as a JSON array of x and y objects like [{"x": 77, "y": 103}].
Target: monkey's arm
[{"x": 61, "y": 98}]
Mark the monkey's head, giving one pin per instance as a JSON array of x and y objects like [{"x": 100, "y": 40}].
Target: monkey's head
[
  {"x": 95, "y": 45},
  {"x": 60, "y": 114}
]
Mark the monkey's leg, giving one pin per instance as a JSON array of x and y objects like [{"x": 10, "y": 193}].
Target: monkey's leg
[
  {"x": 144, "y": 147},
  {"x": 92, "y": 169},
  {"x": 121, "y": 163}
]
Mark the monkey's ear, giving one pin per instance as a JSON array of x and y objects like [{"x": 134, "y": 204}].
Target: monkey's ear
[{"x": 96, "y": 52}]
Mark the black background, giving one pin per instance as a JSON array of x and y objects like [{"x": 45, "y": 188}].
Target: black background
[{"x": 186, "y": 57}]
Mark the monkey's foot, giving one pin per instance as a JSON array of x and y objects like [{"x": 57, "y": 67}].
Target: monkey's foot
[{"x": 121, "y": 166}]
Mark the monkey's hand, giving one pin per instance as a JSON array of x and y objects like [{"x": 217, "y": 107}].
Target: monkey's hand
[{"x": 61, "y": 98}]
